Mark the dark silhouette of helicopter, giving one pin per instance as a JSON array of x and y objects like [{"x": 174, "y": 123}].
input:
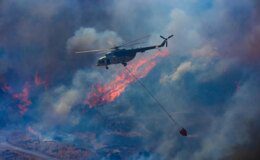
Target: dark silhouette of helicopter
[
  {"x": 116, "y": 55},
  {"x": 119, "y": 55}
]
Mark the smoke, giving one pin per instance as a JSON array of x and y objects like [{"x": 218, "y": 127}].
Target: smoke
[
  {"x": 84, "y": 39},
  {"x": 234, "y": 124},
  {"x": 3, "y": 66},
  {"x": 68, "y": 97},
  {"x": 182, "y": 69},
  {"x": 88, "y": 38},
  {"x": 210, "y": 75}
]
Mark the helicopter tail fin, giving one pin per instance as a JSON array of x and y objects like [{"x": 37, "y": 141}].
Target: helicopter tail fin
[{"x": 165, "y": 41}]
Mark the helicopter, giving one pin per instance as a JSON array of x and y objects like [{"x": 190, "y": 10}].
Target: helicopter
[
  {"x": 117, "y": 55},
  {"x": 120, "y": 55}
]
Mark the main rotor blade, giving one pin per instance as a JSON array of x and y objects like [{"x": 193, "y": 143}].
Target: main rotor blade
[
  {"x": 133, "y": 41},
  {"x": 92, "y": 51},
  {"x": 170, "y": 36},
  {"x": 162, "y": 37}
]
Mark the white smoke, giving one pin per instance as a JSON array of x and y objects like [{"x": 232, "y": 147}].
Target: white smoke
[
  {"x": 89, "y": 38},
  {"x": 180, "y": 71}
]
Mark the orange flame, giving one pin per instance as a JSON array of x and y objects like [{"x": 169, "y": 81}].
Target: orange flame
[
  {"x": 6, "y": 87},
  {"x": 34, "y": 132},
  {"x": 23, "y": 97},
  {"x": 102, "y": 94},
  {"x": 38, "y": 80}
]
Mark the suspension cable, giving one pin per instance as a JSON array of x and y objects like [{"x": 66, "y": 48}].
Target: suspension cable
[{"x": 155, "y": 99}]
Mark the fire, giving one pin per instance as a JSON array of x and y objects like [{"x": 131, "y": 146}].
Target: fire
[
  {"x": 23, "y": 98},
  {"x": 102, "y": 94},
  {"x": 38, "y": 80},
  {"x": 6, "y": 88},
  {"x": 34, "y": 132}
]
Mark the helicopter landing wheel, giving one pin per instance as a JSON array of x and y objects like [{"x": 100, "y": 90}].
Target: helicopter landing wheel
[{"x": 124, "y": 64}]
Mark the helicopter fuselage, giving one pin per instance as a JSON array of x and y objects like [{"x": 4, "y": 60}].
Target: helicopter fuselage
[{"x": 121, "y": 56}]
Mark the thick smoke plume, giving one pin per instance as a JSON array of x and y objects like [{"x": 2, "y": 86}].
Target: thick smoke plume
[
  {"x": 209, "y": 81},
  {"x": 89, "y": 39}
]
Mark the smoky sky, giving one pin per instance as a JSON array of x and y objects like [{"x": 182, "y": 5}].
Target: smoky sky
[{"x": 209, "y": 82}]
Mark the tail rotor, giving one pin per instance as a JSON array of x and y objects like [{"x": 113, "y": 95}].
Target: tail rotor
[
  {"x": 163, "y": 37},
  {"x": 165, "y": 40}
]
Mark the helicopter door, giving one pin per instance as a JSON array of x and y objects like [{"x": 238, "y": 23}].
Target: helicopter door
[{"x": 108, "y": 61}]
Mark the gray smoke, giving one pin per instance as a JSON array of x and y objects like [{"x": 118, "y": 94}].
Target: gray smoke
[
  {"x": 209, "y": 82},
  {"x": 89, "y": 39}
]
